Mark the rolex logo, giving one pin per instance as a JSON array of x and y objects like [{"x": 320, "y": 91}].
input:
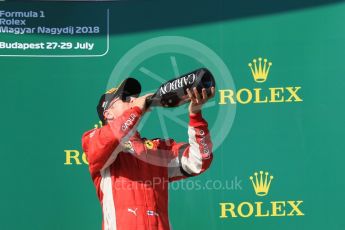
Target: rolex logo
[
  {"x": 260, "y": 71},
  {"x": 260, "y": 208},
  {"x": 261, "y": 183},
  {"x": 260, "y": 68}
]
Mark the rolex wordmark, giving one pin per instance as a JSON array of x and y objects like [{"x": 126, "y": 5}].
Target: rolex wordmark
[
  {"x": 260, "y": 95},
  {"x": 261, "y": 209},
  {"x": 12, "y": 22}
]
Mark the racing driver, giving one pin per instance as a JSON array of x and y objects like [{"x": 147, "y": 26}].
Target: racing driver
[{"x": 131, "y": 173}]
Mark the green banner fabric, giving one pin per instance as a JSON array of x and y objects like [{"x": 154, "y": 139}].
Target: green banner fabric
[{"x": 276, "y": 121}]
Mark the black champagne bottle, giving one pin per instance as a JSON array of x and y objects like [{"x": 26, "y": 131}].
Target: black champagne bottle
[{"x": 174, "y": 92}]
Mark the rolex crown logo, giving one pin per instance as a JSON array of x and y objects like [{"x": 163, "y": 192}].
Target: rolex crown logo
[
  {"x": 260, "y": 72},
  {"x": 261, "y": 183}
]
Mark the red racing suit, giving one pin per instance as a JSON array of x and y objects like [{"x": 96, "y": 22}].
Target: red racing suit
[{"x": 131, "y": 174}]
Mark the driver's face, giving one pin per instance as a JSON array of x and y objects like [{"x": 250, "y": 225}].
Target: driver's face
[{"x": 118, "y": 106}]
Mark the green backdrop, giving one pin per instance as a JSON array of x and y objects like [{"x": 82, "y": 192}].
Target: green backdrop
[{"x": 48, "y": 101}]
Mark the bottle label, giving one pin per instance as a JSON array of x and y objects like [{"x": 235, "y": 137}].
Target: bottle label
[{"x": 177, "y": 84}]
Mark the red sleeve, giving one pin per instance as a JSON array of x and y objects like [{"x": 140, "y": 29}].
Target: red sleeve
[
  {"x": 102, "y": 145},
  {"x": 194, "y": 157}
]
